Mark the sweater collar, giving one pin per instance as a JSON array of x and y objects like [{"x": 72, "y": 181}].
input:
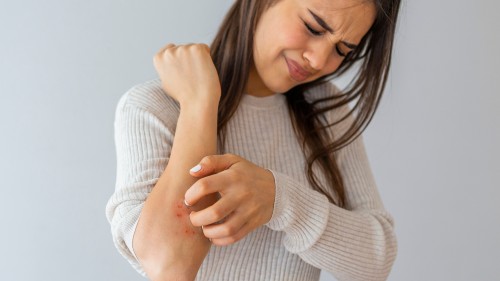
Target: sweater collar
[{"x": 264, "y": 102}]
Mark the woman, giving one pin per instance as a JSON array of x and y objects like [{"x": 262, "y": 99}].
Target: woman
[{"x": 243, "y": 163}]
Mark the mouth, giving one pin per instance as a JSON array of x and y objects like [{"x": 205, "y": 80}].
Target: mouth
[{"x": 297, "y": 72}]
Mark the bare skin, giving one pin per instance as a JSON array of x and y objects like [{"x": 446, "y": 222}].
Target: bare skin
[
  {"x": 180, "y": 214},
  {"x": 247, "y": 197},
  {"x": 169, "y": 240},
  {"x": 167, "y": 245},
  {"x": 288, "y": 31}
]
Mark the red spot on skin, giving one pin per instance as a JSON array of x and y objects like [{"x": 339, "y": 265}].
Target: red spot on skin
[
  {"x": 181, "y": 212},
  {"x": 189, "y": 231}
]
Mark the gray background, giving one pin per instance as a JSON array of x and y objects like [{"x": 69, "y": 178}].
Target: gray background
[{"x": 64, "y": 65}]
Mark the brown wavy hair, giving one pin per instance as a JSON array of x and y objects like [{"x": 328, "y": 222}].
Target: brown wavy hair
[{"x": 232, "y": 48}]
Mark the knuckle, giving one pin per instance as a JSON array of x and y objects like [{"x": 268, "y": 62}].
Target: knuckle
[
  {"x": 246, "y": 196},
  {"x": 208, "y": 159},
  {"x": 232, "y": 156},
  {"x": 255, "y": 209},
  {"x": 200, "y": 47},
  {"x": 229, "y": 155},
  {"x": 195, "y": 220},
  {"x": 234, "y": 175},
  {"x": 178, "y": 49},
  {"x": 157, "y": 57},
  {"x": 203, "y": 186},
  {"x": 193, "y": 48},
  {"x": 205, "y": 47},
  {"x": 228, "y": 230},
  {"x": 217, "y": 214}
]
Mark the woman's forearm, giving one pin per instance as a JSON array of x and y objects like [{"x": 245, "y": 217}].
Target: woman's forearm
[{"x": 166, "y": 243}]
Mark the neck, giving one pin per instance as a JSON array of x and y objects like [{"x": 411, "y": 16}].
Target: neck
[{"x": 255, "y": 86}]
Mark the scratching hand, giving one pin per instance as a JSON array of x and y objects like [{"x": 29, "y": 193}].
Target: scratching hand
[{"x": 246, "y": 197}]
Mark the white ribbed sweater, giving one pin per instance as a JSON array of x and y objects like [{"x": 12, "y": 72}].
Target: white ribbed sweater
[{"x": 306, "y": 233}]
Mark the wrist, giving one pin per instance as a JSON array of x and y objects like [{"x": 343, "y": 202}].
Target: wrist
[
  {"x": 200, "y": 110},
  {"x": 201, "y": 106},
  {"x": 210, "y": 97}
]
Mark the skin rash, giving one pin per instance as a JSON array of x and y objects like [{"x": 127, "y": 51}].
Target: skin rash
[{"x": 181, "y": 213}]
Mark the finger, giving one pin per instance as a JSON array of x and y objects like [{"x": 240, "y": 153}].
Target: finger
[
  {"x": 206, "y": 47},
  {"x": 205, "y": 186},
  {"x": 214, "y": 213},
  {"x": 244, "y": 230},
  {"x": 229, "y": 227},
  {"x": 213, "y": 164},
  {"x": 159, "y": 54},
  {"x": 170, "y": 45}
]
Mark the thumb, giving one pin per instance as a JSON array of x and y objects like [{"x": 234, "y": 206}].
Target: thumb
[{"x": 213, "y": 164}]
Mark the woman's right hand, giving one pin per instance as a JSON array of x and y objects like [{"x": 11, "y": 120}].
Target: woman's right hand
[{"x": 187, "y": 73}]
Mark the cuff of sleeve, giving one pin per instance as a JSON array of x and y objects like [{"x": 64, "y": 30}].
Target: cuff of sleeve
[
  {"x": 129, "y": 237},
  {"x": 123, "y": 233},
  {"x": 301, "y": 212}
]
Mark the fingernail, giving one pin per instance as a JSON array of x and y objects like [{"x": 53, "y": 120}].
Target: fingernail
[
  {"x": 195, "y": 169},
  {"x": 185, "y": 203}
]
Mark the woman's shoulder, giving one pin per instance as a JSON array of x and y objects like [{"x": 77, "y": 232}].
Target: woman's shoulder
[{"x": 149, "y": 96}]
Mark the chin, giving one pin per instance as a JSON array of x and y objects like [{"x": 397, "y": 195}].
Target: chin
[{"x": 281, "y": 88}]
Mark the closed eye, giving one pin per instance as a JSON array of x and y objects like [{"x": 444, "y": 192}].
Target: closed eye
[
  {"x": 312, "y": 30},
  {"x": 339, "y": 51},
  {"x": 319, "y": 33}
]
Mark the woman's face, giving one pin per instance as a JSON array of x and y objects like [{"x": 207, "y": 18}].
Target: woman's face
[{"x": 298, "y": 41}]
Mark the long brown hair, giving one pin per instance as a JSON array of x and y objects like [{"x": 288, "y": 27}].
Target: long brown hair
[{"x": 232, "y": 52}]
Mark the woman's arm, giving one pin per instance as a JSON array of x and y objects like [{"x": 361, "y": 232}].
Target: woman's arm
[
  {"x": 355, "y": 243},
  {"x": 167, "y": 245},
  {"x": 358, "y": 243}
]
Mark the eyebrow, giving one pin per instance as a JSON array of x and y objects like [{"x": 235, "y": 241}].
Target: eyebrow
[{"x": 323, "y": 24}]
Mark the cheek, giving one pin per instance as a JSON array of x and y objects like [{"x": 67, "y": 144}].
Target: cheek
[
  {"x": 280, "y": 35},
  {"x": 333, "y": 64},
  {"x": 291, "y": 38}
]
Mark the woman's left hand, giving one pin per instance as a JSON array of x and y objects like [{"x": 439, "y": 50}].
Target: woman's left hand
[{"x": 246, "y": 197}]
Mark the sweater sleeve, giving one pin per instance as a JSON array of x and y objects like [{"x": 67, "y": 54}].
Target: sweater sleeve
[
  {"x": 143, "y": 143},
  {"x": 357, "y": 243}
]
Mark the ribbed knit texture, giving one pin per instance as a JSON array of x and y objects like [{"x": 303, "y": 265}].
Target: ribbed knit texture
[{"x": 306, "y": 233}]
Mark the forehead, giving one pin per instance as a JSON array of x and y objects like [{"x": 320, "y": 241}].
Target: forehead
[{"x": 351, "y": 18}]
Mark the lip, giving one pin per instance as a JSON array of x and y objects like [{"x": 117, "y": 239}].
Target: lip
[{"x": 297, "y": 72}]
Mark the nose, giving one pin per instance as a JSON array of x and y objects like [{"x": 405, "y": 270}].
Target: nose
[{"x": 317, "y": 55}]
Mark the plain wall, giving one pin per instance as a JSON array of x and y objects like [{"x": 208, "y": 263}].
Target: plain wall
[{"x": 64, "y": 65}]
